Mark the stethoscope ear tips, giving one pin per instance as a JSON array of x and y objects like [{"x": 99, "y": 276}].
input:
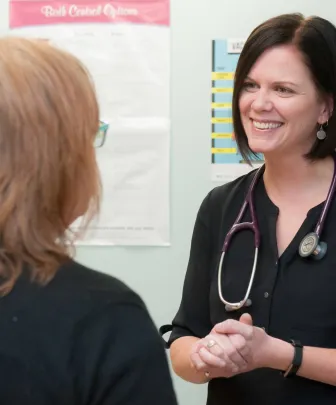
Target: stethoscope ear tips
[
  {"x": 231, "y": 308},
  {"x": 248, "y": 303}
]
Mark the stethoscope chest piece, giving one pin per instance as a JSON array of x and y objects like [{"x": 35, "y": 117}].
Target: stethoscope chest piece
[{"x": 310, "y": 246}]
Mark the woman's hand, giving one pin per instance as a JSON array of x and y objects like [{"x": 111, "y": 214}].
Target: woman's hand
[
  {"x": 216, "y": 355},
  {"x": 255, "y": 344},
  {"x": 231, "y": 348}
]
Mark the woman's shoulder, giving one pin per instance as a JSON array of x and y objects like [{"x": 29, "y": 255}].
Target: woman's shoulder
[
  {"x": 81, "y": 292},
  {"x": 105, "y": 328}
]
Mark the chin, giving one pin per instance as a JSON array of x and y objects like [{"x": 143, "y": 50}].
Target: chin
[{"x": 261, "y": 147}]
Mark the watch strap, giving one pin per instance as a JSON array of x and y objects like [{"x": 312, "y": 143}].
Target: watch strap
[{"x": 297, "y": 359}]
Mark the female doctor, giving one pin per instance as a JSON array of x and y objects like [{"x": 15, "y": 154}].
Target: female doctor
[{"x": 257, "y": 320}]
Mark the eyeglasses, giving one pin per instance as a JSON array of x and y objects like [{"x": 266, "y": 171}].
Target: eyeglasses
[{"x": 101, "y": 134}]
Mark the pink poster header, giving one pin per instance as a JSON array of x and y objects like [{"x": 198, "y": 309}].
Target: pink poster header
[{"x": 24, "y": 13}]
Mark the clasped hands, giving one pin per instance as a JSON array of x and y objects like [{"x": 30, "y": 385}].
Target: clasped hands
[{"x": 231, "y": 348}]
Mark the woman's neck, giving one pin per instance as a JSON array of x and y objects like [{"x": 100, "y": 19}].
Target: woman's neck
[{"x": 296, "y": 177}]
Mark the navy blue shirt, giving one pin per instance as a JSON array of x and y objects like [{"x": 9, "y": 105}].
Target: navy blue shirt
[
  {"x": 292, "y": 297},
  {"x": 83, "y": 339}
]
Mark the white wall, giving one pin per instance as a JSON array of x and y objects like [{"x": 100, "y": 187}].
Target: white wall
[{"x": 157, "y": 273}]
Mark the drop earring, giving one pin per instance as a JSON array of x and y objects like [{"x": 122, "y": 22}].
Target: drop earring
[{"x": 321, "y": 134}]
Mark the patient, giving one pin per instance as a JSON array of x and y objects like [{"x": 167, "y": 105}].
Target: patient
[{"x": 68, "y": 334}]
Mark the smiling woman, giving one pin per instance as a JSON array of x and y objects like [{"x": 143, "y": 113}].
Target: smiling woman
[
  {"x": 278, "y": 79},
  {"x": 281, "y": 323},
  {"x": 274, "y": 101}
]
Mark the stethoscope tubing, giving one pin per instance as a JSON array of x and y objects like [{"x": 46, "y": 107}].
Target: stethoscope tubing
[{"x": 253, "y": 226}]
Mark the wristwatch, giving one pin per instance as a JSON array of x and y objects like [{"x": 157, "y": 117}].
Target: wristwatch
[{"x": 297, "y": 359}]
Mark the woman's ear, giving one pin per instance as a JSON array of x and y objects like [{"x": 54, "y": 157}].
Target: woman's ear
[{"x": 327, "y": 109}]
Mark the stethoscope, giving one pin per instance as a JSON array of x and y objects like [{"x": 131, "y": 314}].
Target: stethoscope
[{"x": 309, "y": 246}]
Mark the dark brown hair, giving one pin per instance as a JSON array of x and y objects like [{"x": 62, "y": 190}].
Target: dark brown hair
[
  {"x": 48, "y": 173},
  {"x": 315, "y": 38}
]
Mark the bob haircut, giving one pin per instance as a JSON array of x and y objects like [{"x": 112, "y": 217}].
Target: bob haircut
[
  {"x": 315, "y": 38},
  {"x": 49, "y": 117}
]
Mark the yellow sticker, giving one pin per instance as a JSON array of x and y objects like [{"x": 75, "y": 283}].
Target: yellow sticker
[
  {"x": 222, "y": 135},
  {"x": 221, "y": 120},
  {"x": 222, "y": 76},
  {"x": 223, "y": 150},
  {"x": 222, "y": 90},
  {"x": 221, "y": 105}
]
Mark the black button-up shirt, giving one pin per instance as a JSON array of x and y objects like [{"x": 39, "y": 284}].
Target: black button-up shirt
[{"x": 292, "y": 297}]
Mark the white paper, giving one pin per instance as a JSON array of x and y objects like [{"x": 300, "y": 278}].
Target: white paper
[{"x": 129, "y": 64}]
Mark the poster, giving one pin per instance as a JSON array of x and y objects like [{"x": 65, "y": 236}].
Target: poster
[
  {"x": 226, "y": 161},
  {"x": 125, "y": 45}
]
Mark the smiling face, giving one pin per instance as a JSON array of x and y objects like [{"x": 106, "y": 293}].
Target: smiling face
[{"x": 279, "y": 105}]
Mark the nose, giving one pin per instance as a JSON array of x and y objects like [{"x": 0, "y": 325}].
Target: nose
[{"x": 261, "y": 101}]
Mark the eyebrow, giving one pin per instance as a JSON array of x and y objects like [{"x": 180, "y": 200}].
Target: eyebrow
[{"x": 279, "y": 82}]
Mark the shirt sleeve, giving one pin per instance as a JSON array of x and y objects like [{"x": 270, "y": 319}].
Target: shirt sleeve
[
  {"x": 119, "y": 359},
  {"x": 193, "y": 316}
]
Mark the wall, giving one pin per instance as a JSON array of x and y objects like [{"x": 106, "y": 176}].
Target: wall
[{"x": 157, "y": 273}]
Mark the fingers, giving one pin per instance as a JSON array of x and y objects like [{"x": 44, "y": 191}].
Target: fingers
[
  {"x": 213, "y": 346},
  {"x": 211, "y": 359},
  {"x": 197, "y": 362},
  {"x": 232, "y": 326},
  {"x": 247, "y": 319},
  {"x": 220, "y": 347},
  {"x": 239, "y": 342},
  {"x": 231, "y": 351}
]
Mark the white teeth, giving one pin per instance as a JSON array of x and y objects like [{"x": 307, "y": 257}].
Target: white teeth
[{"x": 266, "y": 125}]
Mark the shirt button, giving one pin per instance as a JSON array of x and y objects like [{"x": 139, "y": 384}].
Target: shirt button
[{"x": 266, "y": 294}]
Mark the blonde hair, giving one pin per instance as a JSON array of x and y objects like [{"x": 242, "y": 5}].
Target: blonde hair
[{"x": 49, "y": 117}]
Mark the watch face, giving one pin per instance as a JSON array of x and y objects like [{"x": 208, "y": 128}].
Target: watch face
[{"x": 308, "y": 244}]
